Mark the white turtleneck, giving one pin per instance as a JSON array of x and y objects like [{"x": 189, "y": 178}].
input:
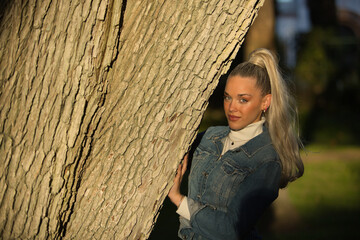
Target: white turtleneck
[
  {"x": 238, "y": 138},
  {"x": 233, "y": 140}
]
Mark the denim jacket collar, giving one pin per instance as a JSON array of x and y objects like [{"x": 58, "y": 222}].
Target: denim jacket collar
[{"x": 249, "y": 148}]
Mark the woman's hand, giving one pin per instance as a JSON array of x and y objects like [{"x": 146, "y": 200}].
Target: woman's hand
[{"x": 174, "y": 193}]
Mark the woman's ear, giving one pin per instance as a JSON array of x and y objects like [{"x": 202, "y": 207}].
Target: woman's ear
[{"x": 266, "y": 101}]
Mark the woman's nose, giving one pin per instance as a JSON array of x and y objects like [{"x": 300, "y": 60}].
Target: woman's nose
[{"x": 232, "y": 107}]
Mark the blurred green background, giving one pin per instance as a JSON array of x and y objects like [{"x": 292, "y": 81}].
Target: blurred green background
[{"x": 318, "y": 44}]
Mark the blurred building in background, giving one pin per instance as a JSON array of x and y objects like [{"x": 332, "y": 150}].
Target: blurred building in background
[
  {"x": 348, "y": 12},
  {"x": 293, "y": 19}
]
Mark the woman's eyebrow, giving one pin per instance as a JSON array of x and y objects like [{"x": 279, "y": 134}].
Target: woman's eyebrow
[{"x": 239, "y": 95}]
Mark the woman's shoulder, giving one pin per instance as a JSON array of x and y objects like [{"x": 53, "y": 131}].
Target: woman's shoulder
[
  {"x": 261, "y": 147},
  {"x": 217, "y": 131}
]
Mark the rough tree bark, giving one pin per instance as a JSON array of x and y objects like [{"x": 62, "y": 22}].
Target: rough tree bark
[{"x": 99, "y": 102}]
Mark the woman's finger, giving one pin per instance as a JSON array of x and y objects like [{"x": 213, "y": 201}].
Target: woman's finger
[
  {"x": 184, "y": 164},
  {"x": 178, "y": 173}
]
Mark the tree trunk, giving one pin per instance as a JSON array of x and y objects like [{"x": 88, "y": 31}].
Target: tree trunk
[
  {"x": 99, "y": 102},
  {"x": 262, "y": 33}
]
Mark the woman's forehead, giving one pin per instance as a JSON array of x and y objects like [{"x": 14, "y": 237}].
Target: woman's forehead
[{"x": 241, "y": 85}]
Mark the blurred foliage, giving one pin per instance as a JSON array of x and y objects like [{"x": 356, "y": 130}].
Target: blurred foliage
[
  {"x": 315, "y": 68},
  {"x": 328, "y": 86}
]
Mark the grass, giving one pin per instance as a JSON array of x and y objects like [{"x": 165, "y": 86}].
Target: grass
[{"x": 327, "y": 197}]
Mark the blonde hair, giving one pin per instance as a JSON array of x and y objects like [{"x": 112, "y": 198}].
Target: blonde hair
[{"x": 281, "y": 117}]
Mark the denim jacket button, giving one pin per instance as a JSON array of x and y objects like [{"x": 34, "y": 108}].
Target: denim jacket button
[{"x": 205, "y": 174}]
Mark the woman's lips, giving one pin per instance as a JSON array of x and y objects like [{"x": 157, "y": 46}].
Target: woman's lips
[{"x": 233, "y": 118}]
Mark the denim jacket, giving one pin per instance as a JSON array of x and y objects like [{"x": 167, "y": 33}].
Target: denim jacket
[{"x": 227, "y": 194}]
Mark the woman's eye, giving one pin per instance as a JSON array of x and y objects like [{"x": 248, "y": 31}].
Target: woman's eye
[
  {"x": 227, "y": 98},
  {"x": 243, "y": 100}
]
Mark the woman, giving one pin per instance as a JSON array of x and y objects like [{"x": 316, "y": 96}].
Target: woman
[{"x": 237, "y": 170}]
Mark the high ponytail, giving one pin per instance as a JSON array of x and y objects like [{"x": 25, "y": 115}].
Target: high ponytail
[{"x": 281, "y": 117}]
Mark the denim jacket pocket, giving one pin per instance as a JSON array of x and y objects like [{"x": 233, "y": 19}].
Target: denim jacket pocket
[
  {"x": 200, "y": 154},
  {"x": 200, "y": 159},
  {"x": 229, "y": 180}
]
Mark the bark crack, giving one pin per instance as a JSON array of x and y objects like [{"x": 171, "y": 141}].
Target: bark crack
[{"x": 87, "y": 142}]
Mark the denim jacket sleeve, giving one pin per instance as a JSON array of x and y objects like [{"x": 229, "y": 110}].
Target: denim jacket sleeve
[{"x": 254, "y": 194}]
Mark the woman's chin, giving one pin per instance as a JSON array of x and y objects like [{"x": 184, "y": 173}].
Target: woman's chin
[{"x": 235, "y": 128}]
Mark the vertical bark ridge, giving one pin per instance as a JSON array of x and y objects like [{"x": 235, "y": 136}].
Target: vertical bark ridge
[{"x": 49, "y": 106}]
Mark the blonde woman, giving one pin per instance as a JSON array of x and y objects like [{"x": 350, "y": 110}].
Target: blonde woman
[{"x": 237, "y": 170}]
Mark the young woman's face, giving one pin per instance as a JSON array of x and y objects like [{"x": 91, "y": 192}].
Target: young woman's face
[{"x": 243, "y": 102}]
